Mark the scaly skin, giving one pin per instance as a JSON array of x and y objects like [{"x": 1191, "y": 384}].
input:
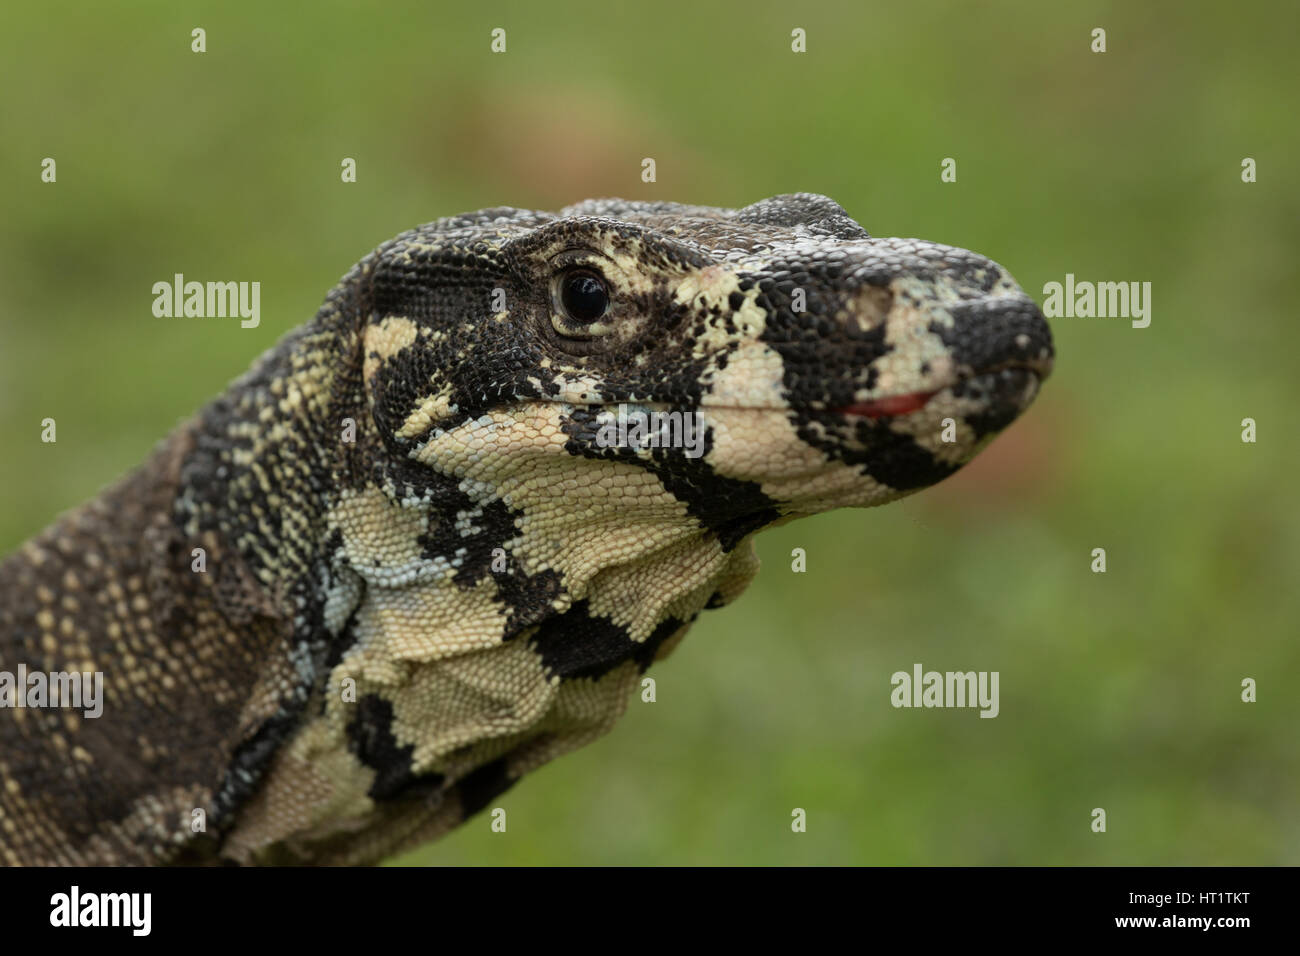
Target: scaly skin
[{"x": 426, "y": 574}]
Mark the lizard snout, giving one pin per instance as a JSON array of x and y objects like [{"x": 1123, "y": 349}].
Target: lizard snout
[{"x": 996, "y": 333}]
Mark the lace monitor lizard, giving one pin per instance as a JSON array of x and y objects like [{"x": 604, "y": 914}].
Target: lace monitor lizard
[{"x": 427, "y": 569}]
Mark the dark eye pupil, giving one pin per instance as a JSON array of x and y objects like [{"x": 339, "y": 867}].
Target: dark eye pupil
[{"x": 584, "y": 296}]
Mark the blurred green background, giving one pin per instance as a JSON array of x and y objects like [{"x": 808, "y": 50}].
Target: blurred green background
[{"x": 1118, "y": 690}]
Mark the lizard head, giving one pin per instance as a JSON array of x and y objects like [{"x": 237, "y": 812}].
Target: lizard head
[
  {"x": 762, "y": 362},
  {"x": 517, "y": 536}
]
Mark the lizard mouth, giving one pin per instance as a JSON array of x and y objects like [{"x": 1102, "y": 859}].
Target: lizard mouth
[
  {"x": 1007, "y": 389},
  {"x": 889, "y": 406}
]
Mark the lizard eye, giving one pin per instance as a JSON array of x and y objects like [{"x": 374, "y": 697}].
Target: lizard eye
[{"x": 583, "y": 299}]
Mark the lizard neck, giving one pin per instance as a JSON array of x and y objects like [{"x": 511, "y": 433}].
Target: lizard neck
[{"x": 485, "y": 627}]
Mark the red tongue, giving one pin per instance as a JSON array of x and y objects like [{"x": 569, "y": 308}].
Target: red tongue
[{"x": 893, "y": 405}]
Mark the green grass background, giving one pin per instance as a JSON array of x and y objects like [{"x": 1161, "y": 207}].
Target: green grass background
[{"x": 1118, "y": 690}]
